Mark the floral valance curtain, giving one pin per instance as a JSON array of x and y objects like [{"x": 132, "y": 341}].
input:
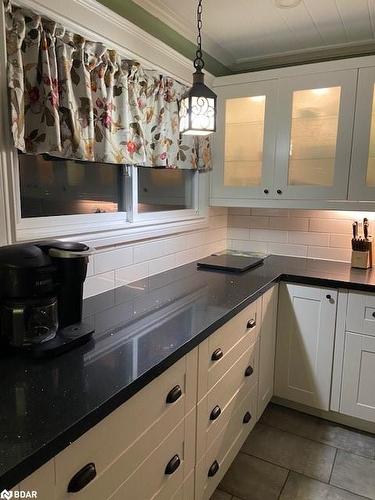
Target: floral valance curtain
[{"x": 77, "y": 99}]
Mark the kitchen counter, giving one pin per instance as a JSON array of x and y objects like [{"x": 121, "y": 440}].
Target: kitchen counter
[{"x": 141, "y": 329}]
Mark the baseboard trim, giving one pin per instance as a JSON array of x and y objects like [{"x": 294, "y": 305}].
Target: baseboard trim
[{"x": 338, "y": 418}]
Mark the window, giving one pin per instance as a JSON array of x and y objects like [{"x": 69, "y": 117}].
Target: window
[
  {"x": 59, "y": 197},
  {"x": 53, "y": 186},
  {"x": 164, "y": 189}
]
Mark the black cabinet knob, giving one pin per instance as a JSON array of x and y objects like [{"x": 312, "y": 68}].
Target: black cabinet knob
[
  {"x": 174, "y": 394},
  {"x": 279, "y": 191},
  {"x": 215, "y": 413},
  {"x": 172, "y": 465},
  {"x": 82, "y": 478},
  {"x": 249, "y": 371},
  {"x": 247, "y": 417},
  {"x": 329, "y": 297},
  {"x": 217, "y": 354},
  {"x": 265, "y": 191},
  {"x": 251, "y": 323},
  {"x": 373, "y": 314},
  {"x": 213, "y": 469}
]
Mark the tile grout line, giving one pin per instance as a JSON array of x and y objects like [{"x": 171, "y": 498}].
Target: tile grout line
[
  {"x": 333, "y": 466},
  {"x": 315, "y": 441},
  {"x": 283, "y": 486}
]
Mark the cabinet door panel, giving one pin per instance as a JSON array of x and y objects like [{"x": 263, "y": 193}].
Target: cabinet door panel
[
  {"x": 358, "y": 395},
  {"x": 362, "y": 172},
  {"x": 315, "y": 122},
  {"x": 305, "y": 336},
  {"x": 244, "y": 144},
  {"x": 267, "y": 348}
]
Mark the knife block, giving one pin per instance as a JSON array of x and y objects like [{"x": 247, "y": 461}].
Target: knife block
[{"x": 362, "y": 259}]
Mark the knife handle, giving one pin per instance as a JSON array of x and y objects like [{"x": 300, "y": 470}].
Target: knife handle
[{"x": 355, "y": 230}]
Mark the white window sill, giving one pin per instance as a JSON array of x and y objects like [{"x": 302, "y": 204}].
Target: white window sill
[{"x": 100, "y": 234}]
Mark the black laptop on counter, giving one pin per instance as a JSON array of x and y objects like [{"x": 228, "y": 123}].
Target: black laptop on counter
[{"x": 230, "y": 263}]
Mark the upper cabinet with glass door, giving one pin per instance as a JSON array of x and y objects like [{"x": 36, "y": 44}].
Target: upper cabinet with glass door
[
  {"x": 315, "y": 124},
  {"x": 362, "y": 173},
  {"x": 244, "y": 144}
]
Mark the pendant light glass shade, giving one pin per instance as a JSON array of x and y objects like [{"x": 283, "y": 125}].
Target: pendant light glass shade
[
  {"x": 198, "y": 106},
  {"x": 198, "y": 109}
]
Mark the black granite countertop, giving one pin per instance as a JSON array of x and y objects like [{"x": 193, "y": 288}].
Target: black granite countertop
[{"x": 140, "y": 330}]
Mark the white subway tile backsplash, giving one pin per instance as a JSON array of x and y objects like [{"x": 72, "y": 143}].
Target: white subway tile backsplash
[
  {"x": 289, "y": 223},
  {"x": 330, "y": 226},
  {"x": 287, "y": 249},
  {"x": 238, "y": 233},
  {"x": 113, "y": 259},
  {"x": 268, "y": 235},
  {"x": 337, "y": 254},
  {"x": 307, "y": 238},
  {"x": 126, "y": 275},
  {"x": 320, "y": 234},
  {"x": 340, "y": 240},
  {"x": 98, "y": 284}
]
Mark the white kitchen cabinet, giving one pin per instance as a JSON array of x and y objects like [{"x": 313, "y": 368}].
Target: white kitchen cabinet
[
  {"x": 244, "y": 144},
  {"x": 305, "y": 340},
  {"x": 357, "y": 393},
  {"x": 362, "y": 174},
  {"x": 314, "y": 134},
  {"x": 285, "y": 137},
  {"x": 267, "y": 348}
]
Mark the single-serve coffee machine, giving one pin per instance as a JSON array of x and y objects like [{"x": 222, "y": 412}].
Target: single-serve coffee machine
[{"x": 41, "y": 295}]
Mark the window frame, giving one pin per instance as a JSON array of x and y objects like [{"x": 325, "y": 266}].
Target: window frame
[{"x": 99, "y": 227}]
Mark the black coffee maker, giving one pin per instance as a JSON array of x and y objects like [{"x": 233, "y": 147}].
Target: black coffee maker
[{"x": 41, "y": 295}]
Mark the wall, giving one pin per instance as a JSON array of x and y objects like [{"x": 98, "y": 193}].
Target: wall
[
  {"x": 320, "y": 234},
  {"x": 118, "y": 265}
]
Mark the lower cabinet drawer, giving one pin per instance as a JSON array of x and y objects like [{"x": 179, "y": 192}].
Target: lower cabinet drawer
[
  {"x": 360, "y": 317},
  {"x": 217, "y": 408},
  {"x": 214, "y": 464},
  {"x": 221, "y": 350},
  {"x": 122, "y": 441},
  {"x": 160, "y": 475}
]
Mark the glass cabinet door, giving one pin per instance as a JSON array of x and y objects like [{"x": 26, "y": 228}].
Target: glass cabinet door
[
  {"x": 362, "y": 171},
  {"x": 244, "y": 143},
  {"x": 315, "y": 123}
]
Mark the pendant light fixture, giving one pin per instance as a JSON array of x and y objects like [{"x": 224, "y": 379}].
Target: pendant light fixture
[{"x": 198, "y": 106}]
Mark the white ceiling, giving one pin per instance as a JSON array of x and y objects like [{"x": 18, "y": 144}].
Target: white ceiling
[{"x": 240, "y": 33}]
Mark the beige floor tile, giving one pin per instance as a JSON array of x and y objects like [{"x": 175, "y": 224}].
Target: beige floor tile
[
  {"x": 291, "y": 452},
  {"x": 249, "y": 478},
  {"x": 221, "y": 495},
  {"x": 303, "y": 488},
  {"x": 319, "y": 430},
  {"x": 354, "y": 473}
]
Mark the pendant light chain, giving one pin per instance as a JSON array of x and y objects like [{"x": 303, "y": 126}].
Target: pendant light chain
[{"x": 198, "y": 61}]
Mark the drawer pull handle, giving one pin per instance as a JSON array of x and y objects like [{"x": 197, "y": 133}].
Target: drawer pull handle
[
  {"x": 373, "y": 314},
  {"x": 172, "y": 465},
  {"x": 213, "y": 469},
  {"x": 216, "y": 412},
  {"x": 82, "y": 478},
  {"x": 174, "y": 394},
  {"x": 279, "y": 191},
  {"x": 249, "y": 371},
  {"x": 217, "y": 354},
  {"x": 251, "y": 323},
  {"x": 266, "y": 191},
  {"x": 247, "y": 417}
]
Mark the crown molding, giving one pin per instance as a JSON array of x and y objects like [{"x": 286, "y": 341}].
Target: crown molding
[
  {"x": 303, "y": 56},
  {"x": 94, "y": 20},
  {"x": 187, "y": 29}
]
